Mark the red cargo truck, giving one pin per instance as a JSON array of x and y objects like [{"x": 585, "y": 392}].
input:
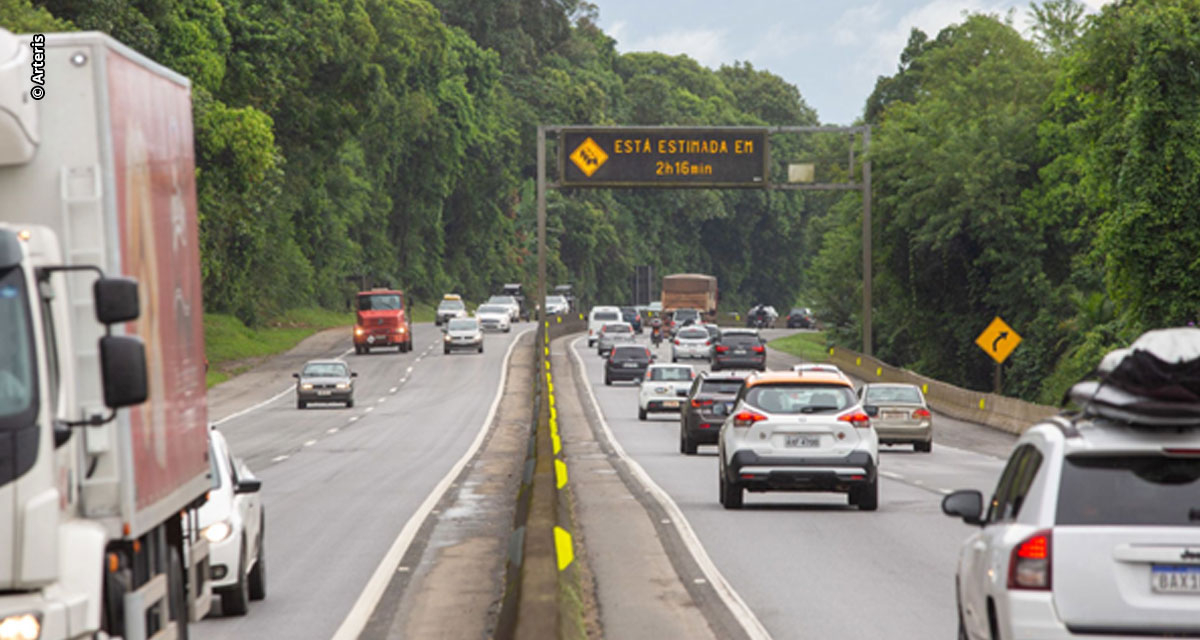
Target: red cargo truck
[{"x": 382, "y": 321}]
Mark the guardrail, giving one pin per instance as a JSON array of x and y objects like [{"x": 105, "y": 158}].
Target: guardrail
[{"x": 999, "y": 412}]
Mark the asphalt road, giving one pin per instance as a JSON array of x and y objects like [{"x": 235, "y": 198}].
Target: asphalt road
[
  {"x": 339, "y": 484},
  {"x": 808, "y": 565}
]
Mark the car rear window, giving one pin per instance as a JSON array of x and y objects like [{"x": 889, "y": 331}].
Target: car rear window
[
  {"x": 694, "y": 334},
  {"x": 1129, "y": 490},
  {"x": 740, "y": 340},
  {"x": 884, "y": 395},
  {"x": 631, "y": 353},
  {"x": 606, "y": 315},
  {"x": 671, "y": 374},
  {"x": 800, "y": 398},
  {"x": 726, "y": 387},
  {"x": 618, "y": 328}
]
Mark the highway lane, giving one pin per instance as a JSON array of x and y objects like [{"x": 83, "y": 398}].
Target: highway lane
[
  {"x": 808, "y": 565},
  {"x": 339, "y": 484}
]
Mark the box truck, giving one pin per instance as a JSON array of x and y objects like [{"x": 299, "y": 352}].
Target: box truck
[
  {"x": 690, "y": 291},
  {"x": 103, "y": 438}
]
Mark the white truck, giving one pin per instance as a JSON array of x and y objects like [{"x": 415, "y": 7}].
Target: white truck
[{"x": 103, "y": 436}]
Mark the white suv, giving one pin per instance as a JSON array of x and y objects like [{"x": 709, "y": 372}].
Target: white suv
[
  {"x": 803, "y": 431},
  {"x": 1093, "y": 531},
  {"x": 664, "y": 389}
]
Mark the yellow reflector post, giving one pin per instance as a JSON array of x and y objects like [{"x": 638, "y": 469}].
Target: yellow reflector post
[
  {"x": 560, "y": 473},
  {"x": 563, "y": 548}
]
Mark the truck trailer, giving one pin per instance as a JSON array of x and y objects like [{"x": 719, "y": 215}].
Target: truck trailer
[
  {"x": 103, "y": 435},
  {"x": 690, "y": 291}
]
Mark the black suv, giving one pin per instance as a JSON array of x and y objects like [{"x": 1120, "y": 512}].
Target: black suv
[
  {"x": 800, "y": 318},
  {"x": 708, "y": 403},
  {"x": 739, "y": 349},
  {"x": 627, "y": 362},
  {"x": 631, "y": 315}
]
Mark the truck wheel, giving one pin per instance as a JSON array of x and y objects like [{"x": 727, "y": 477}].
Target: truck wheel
[
  {"x": 177, "y": 597},
  {"x": 235, "y": 600},
  {"x": 258, "y": 575}
]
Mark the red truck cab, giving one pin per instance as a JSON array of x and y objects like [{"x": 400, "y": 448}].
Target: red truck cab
[{"x": 382, "y": 321}]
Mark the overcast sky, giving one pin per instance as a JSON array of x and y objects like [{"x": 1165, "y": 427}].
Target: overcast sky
[{"x": 832, "y": 50}]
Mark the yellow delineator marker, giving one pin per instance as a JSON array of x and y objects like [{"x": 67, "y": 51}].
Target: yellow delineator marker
[
  {"x": 560, "y": 473},
  {"x": 563, "y": 548},
  {"x": 557, "y": 442},
  {"x": 998, "y": 340}
]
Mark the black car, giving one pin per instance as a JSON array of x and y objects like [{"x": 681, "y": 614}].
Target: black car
[
  {"x": 708, "y": 403},
  {"x": 739, "y": 349},
  {"x": 631, "y": 315},
  {"x": 800, "y": 318},
  {"x": 627, "y": 362}
]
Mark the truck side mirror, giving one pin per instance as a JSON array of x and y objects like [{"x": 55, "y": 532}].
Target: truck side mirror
[
  {"x": 123, "y": 368},
  {"x": 116, "y": 300}
]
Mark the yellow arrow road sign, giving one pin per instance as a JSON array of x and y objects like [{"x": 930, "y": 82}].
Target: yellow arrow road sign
[{"x": 998, "y": 340}]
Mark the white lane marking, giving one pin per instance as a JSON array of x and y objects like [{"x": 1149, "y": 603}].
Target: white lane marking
[
  {"x": 353, "y": 418},
  {"x": 356, "y": 620},
  {"x": 310, "y": 443},
  {"x": 381, "y": 400},
  {"x": 736, "y": 605},
  {"x": 409, "y": 370},
  {"x": 266, "y": 402},
  {"x": 279, "y": 458},
  {"x": 368, "y": 409},
  {"x": 392, "y": 390},
  {"x": 891, "y": 474},
  {"x": 331, "y": 430},
  {"x": 945, "y": 492}
]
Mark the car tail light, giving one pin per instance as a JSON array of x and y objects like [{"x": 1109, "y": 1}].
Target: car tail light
[
  {"x": 747, "y": 418},
  {"x": 677, "y": 343},
  {"x": 1175, "y": 451},
  {"x": 1029, "y": 566},
  {"x": 708, "y": 343},
  {"x": 722, "y": 349},
  {"x": 921, "y": 414},
  {"x": 701, "y": 403},
  {"x": 759, "y": 349},
  {"x": 648, "y": 356},
  {"x": 857, "y": 418}
]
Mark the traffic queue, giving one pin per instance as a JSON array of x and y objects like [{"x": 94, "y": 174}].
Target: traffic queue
[{"x": 1091, "y": 530}]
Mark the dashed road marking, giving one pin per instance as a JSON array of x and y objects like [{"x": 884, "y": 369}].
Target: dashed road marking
[
  {"x": 331, "y": 430},
  {"x": 310, "y": 443},
  {"x": 353, "y": 418},
  {"x": 369, "y": 409},
  {"x": 381, "y": 400},
  {"x": 393, "y": 390},
  {"x": 279, "y": 458},
  {"x": 409, "y": 370}
]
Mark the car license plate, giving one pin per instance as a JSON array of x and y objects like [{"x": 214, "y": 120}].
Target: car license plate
[
  {"x": 740, "y": 352},
  {"x": 324, "y": 393},
  {"x": 802, "y": 441},
  {"x": 630, "y": 365},
  {"x": 671, "y": 404},
  {"x": 892, "y": 415},
  {"x": 1175, "y": 579}
]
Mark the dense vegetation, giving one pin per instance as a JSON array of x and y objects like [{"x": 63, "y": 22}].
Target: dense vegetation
[{"x": 1048, "y": 178}]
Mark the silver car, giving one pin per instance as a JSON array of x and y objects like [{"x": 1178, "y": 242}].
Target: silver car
[
  {"x": 448, "y": 310},
  {"x": 325, "y": 381},
  {"x": 463, "y": 334},
  {"x": 692, "y": 342},
  {"x": 899, "y": 413},
  {"x": 612, "y": 334}
]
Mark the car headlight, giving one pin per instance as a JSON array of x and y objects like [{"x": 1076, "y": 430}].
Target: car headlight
[
  {"x": 21, "y": 626},
  {"x": 307, "y": 386},
  {"x": 446, "y": 337},
  {"x": 217, "y": 531},
  {"x": 343, "y": 385}
]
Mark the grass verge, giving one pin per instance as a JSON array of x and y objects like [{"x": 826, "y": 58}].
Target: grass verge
[
  {"x": 809, "y": 346},
  {"x": 229, "y": 343}
]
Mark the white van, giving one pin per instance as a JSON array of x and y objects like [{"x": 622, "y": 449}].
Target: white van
[{"x": 598, "y": 317}]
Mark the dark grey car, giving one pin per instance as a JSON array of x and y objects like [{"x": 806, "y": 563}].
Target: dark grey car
[{"x": 325, "y": 381}]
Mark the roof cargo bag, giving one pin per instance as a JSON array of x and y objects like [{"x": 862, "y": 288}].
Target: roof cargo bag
[{"x": 1154, "y": 382}]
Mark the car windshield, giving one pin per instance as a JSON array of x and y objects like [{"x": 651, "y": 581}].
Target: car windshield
[
  {"x": 491, "y": 308},
  {"x": 723, "y": 387},
  {"x": 884, "y": 395},
  {"x": 618, "y": 328},
  {"x": 379, "y": 302},
  {"x": 451, "y": 305},
  {"x": 17, "y": 390},
  {"x": 671, "y": 374},
  {"x": 324, "y": 370},
  {"x": 1129, "y": 490},
  {"x": 463, "y": 324},
  {"x": 605, "y": 315},
  {"x": 800, "y": 398},
  {"x": 640, "y": 354},
  {"x": 694, "y": 334}
]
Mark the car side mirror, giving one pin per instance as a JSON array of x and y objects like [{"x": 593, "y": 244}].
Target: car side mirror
[
  {"x": 871, "y": 410},
  {"x": 296, "y": 376},
  {"x": 123, "y": 370},
  {"x": 353, "y": 374},
  {"x": 116, "y": 300},
  {"x": 966, "y": 504},
  {"x": 248, "y": 485}
]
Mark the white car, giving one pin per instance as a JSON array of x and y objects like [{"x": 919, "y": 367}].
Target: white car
[
  {"x": 557, "y": 306},
  {"x": 798, "y": 432},
  {"x": 1091, "y": 533},
  {"x": 598, "y": 317},
  {"x": 233, "y": 522},
  {"x": 494, "y": 317},
  {"x": 514, "y": 307},
  {"x": 692, "y": 342},
  {"x": 665, "y": 388}
]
